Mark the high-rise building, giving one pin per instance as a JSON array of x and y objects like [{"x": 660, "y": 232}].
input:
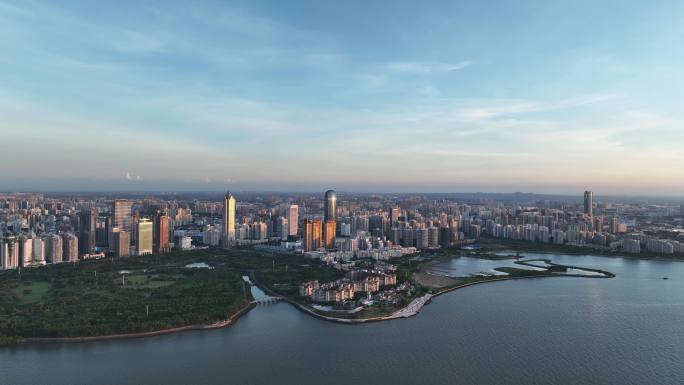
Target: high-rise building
[
  {"x": 598, "y": 224},
  {"x": 292, "y": 220},
  {"x": 38, "y": 257},
  {"x": 134, "y": 222},
  {"x": 9, "y": 252},
  {"x": 120, "y": 244},
  {"x": 330, "y": 206},
  {"x": 378, "y": 226},
  {"x": 87, "y": 221},
  {"x": 229, "y": 219},
  {"x": 395, "y": 213},
  {"x": 614, "y": 225},
  {"x": 329, "y": 214},
  {"x": 330, "y": 228},
  {"x": 121, "y": 214},
  {"x": 54, "y": 249},
  {"x": 143, "y": 237},
  {"x": 313, "y": 234},
  {"x": 589, "y": 203},
  {"x": 25, "y": 250},
  {"x": 161, "y": 233},
  {"x": 282, "y": 228},
  {"x": 69, "y": 248}
]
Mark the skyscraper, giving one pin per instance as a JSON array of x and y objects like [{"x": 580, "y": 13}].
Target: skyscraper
[
  {"x": 330, "y": 228},
  {"x": 54, "y": 249},
  {"x": 9, "y": 252},
  {"x": 292, "y": 219},
  {"x": 120, "y": 244},
  {"x": 143, "y": 237},
  {"x": 589, "y": 203},
  {"x": 87, "y": 220},
  {"x": 121, "y": 214},
  {"x": 161, "y": 233},
  {"x": 229, "y": 219},
  {"x": 312, "y": 234},
  {"x": 329, "y": 214},
  {"x": 25, "y": 250},
  {"x": 282, "y": 228},
  {"x": 38, "y": 257},
  {"x": 330, "y": 206},
  {"x": 395, "y": 213},
  {"x": 69, "y": 248}
]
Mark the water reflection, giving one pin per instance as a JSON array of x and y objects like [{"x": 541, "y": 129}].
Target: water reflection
[{"x": 464, "y": 266}]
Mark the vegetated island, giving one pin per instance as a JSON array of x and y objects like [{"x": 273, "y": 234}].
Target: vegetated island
[{"x": 202, "y": 289}]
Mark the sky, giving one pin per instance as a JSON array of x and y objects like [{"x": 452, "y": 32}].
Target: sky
[{"x": 367, "y": 96}]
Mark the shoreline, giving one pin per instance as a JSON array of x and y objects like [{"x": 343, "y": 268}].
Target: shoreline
[
  {"x": 410, "y": 310},
  {"x": 575, "y": 251},
  {"x": 420, "y": 301},
  {"x": 216, "y": 325}
]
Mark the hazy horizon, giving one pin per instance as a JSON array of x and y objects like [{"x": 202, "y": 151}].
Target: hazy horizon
[
  {"x": 130, "y": 191},
  {"x": 451, "y": 96}
]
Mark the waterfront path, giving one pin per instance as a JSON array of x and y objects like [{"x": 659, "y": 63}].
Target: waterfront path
[{"x": 413, "y": 308}]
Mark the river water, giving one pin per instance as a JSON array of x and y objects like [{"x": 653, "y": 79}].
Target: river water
[{"x": 560, "y": 330}]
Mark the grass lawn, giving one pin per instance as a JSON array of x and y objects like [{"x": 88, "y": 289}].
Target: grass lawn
[
  {"x": 31, "y": 292},
  {"x": 145, "y": 281}
]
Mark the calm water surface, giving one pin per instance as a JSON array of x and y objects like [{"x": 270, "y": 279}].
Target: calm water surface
[
  {"x": 561, "y": 330},
  {"x": 466, "y": 266}
]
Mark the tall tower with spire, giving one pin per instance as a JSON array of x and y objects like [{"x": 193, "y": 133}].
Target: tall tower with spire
[
  {"x": 229, "y": 219},
  {"x": 329, "y": 218}
]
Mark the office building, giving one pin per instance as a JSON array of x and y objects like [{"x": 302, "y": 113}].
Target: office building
[
  {"x": 282, "y": 228},
  {"x": 313, "y": 234},
  {"x": 395, "y": 213},
  {"x": 120, "y": 243},
  {"x": 330, "y": 228},
  {"x": 87, "y": 221},
  {"x": 292, "y": 220},
  {"x": 589, "y": 203},
  {"x": 161, "y": 237},
  {"x": 330, "y": 206},
  {"x": 229, "y": 219},
  {"x": 121, "y": 215},
  {"x": 143, "y": 237}
]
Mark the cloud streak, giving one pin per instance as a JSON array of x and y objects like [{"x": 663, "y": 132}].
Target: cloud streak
[{"x": 419, "y": 67}]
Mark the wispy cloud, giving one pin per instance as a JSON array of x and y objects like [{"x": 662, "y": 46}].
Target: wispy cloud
[{"x": 422, "y": 67}]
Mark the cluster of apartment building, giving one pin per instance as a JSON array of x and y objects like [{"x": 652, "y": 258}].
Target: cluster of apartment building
[
  {"x": 356, "y": 281},
  {"x": 635, "y": 243},
  {"x": 28, "y": 250}
]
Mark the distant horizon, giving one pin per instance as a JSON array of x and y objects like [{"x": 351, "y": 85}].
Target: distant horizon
[{"x": 578, "y": 196}]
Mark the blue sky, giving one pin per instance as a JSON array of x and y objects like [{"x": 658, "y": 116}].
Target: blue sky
[{"x": 361, "y": 96}]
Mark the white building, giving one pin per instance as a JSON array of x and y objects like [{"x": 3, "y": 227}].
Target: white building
[
  {"x": 185, "y": 243},
  {"x": 292, "y": 219}
]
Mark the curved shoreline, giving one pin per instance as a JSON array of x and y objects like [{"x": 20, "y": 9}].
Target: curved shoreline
[
  {"x": 401, "y": 313},
  {"x": 216, "y": 325},
  {"x": 426, "y": 299}
]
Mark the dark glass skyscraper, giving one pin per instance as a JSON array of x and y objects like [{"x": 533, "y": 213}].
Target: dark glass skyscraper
[
  {"x": 589, "y": 203},
  {"x": 330, "y": 206},
  {"x": 86, "y": 230}
]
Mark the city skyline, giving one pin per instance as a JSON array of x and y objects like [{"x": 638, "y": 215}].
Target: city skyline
[{"x": 533, "y": 96}]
